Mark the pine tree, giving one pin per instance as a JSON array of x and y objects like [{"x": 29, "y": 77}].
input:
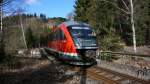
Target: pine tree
[
  {"x": 81, "y": 11},
  {"x": 101, "y": 16},
  {"x": 30, "y": 38},
  {"x": 142, "y": 21},
  {"x": 43, "y": 17},
  {"x": 35, "y": 15}
]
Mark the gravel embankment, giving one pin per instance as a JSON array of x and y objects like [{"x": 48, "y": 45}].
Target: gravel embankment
[{"x": 126, "y": 69}]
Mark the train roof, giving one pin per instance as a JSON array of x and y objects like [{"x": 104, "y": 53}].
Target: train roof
[{"x": 70, "y": 23}]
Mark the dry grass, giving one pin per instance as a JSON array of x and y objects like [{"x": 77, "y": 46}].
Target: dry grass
[{"x": 32, "y": 71}]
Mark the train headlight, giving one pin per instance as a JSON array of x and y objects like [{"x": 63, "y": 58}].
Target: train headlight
[{"x": 77, "y": 45}]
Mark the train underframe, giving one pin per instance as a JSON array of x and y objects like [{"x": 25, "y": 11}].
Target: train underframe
[{"x": 84, "y": 57}]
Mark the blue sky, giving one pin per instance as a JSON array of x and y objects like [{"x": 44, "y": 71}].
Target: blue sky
[{"x": 52, "y": 8}]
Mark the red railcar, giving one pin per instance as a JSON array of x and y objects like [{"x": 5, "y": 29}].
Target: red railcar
[{"x": 73, "y": 42}]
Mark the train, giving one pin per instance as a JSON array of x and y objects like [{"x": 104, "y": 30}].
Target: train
[{"x": 73, "y": 42}]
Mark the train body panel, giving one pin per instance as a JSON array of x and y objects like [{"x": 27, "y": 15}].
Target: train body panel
[{"x": 69, "y": 46}]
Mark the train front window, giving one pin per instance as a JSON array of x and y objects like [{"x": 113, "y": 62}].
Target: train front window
[
  {"x": 82, "y": 36},
  {"x": 81, "y": 32}
]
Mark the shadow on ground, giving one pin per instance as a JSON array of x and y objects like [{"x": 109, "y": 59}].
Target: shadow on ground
[{"x": 48, "y": 74}]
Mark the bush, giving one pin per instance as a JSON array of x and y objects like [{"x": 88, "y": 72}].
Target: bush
[
  {"x": 11, "y": 62},
  {"x": 2, "y": 52},
  {"x": 111, "y": 43}
]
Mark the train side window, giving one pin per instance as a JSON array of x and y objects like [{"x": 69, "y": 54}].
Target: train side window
[
  {"x": 57, "y": 35},
  {"x": 62, "y": 35},
  {"x": 51, "y": 37}
]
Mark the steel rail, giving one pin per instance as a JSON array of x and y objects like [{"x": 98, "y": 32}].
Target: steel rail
[
  {"x": 108, "y": 76},
  {"x": 97, "y": 76},
  {"x": 121, "y": 53}
]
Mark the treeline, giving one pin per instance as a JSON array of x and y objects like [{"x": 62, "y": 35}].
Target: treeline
[
  {"x": 35, "y": 29},
  {"x": 14, "y": 19},
  {"x": 111, "y": 21}
]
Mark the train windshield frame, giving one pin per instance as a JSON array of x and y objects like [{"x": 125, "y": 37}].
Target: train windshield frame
[
  {"x": 83, "y": 36},
  {"x": 81, "y": 32}
]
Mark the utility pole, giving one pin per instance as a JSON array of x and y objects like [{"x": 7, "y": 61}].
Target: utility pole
[{"x": 132, "y": 24}]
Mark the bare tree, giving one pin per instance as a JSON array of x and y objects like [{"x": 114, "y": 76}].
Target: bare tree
[
  {"x": 1, "y": 12},
  {"x": 129, "y": 10},
  {"x": 132, "y": 24},
  {"x": 7, "y": 7},
  {"x": 2, "y": 53},
  {"x": 21, "y": 25},
  {"x": 70, "y": 16}
]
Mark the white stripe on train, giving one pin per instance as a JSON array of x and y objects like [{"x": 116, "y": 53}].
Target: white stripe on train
[{"x": 71, "y": 54}]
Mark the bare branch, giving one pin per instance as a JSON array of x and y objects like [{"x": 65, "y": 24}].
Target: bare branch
[
  {"x": 114, "y": 4},
  {"x": 6, "y": 2},
  {"x": 11, "y": 6},
  {"x": 125, "y": 5},
  {"x": 70, "y": 16}
]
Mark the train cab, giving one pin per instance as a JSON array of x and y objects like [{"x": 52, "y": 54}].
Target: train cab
[{"x": 74, "y": 43}]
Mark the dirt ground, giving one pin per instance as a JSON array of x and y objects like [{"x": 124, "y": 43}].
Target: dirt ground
[
  {"x": 40, "y": 72},
  {"x": 145, "y": 50}
]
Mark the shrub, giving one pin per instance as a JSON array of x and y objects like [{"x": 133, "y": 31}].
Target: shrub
[{"x": 111, "y": 43}]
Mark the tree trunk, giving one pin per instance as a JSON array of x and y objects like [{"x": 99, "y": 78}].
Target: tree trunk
[
  {"x": 2, "y": 51},
  {"x": 132, "y": 24},
  {"x": 1, "y": 10},
  {"x": 24, "y": 39}
]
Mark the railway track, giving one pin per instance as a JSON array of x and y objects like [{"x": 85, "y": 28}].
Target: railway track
[
  {"x": 105, "y": 75},
  {"x": 112, "y": 77}
]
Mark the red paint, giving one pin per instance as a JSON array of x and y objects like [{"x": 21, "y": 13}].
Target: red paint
[{"x": 66, "y": 45}]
